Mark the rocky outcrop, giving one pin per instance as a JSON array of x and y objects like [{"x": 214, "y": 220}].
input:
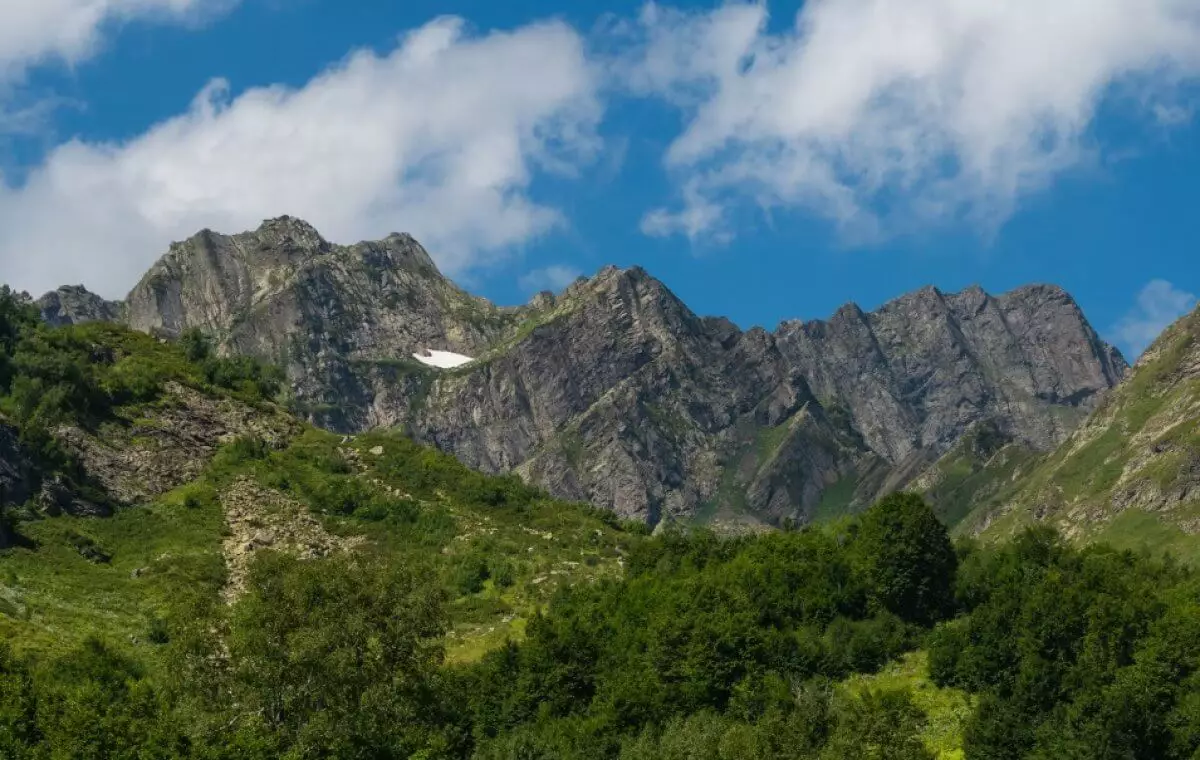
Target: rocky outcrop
[
  {"x": 919, "y": 372},
  {"x": 261, "y": 518},
  {"x": 75, "y": 304},
  {"x": 342, "y": 320},
  {"x": 615, "y": 392},
  {"x": 170, "y": 444},
  {"x": 57, "y": 498},
  {"x": 16, "y": 480},
  {"x": 16, "y": 469}
]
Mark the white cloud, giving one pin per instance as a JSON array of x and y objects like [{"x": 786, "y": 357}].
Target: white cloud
[
  {"x": 884, "y": 114},
  {"x": 699, "y": 218},
  {"x": 439, "y": 138},
  {"x": 555, "y": 277},
  {"x": 37, "y": 31},
  {"x": 1159, "y": 304}
]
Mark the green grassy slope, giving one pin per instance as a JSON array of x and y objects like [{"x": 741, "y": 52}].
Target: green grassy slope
[
  {"x": 172, "y": 436},
  {"x": 502, "y": 550}
]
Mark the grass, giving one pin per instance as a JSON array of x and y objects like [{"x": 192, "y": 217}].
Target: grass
[
  {"x": 730, "y": 498},
  {"x": 173, "y": 549},
  {"x": 836, "y": 499},
  {"x": 1142, "y": 531},
  {"x": 768, "y": 440},
  {"x": 946, "y": 710},
  {"x": 967, "y": 483},
  {"x": 452, "y": 516},
  {"x": 570, "y": 443},
  {"x": 1096, "y": 467}
]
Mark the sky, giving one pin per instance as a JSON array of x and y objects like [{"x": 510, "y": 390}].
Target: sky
[{"x": 767, "y": 161}]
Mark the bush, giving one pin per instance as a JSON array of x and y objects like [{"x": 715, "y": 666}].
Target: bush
[
  {"x": 91, "y": 703},
  {"x": 243, "y": 449},
  {"x": 196, "y": 346},
  {"x": 502, "y": 573},
  {"x": 471, "y": 572},
  {"x": 339, "y": 657}
]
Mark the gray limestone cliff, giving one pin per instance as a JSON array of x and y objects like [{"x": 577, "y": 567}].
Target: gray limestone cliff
[
  {"x": 616, "y": 393},
  {"x": 75, "y": 304},
  {"x": 341, "y": 320},
  {"x": 923, "y": 368}
]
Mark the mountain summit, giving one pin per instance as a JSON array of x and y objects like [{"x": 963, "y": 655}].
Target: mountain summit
[{"x": 613, "y": 391}]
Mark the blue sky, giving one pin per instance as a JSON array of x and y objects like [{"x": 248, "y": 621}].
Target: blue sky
[{"x": 765, "y": 165}]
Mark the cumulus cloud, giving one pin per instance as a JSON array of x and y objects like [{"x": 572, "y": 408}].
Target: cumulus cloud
[
  {"x": 440, "y": 137},
  {"x": 1158, "y": 305},
  {"x": 555, "y": 277},
  {"x": 36, "y": 31},
  {"x": 884, "y": 115}
]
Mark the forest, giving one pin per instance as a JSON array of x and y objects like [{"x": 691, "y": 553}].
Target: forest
[{"x": 710, "y": 648}]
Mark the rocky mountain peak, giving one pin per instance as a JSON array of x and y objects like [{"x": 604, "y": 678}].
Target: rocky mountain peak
[
  {"x": 289, "y": 228},
  {"x": 74, "y": 304},
  {"x": 614, "y": 391},
  {"x": 397, "y": 251},
  {"x": 543, "y": 301},
  {"x": 917, "y": 372}
]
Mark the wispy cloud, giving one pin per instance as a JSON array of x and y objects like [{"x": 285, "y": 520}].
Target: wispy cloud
[
  {"x": 887, "y": 115},
  {"x": 1158, "y": 305},
  {"x": 440, "y": 137},
  {"x": 555, "y": 278},
  {"x": 34, "y": 32}
]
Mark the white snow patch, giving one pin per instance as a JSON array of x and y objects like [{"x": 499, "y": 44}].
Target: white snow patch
[{"x": 442, "y": 359}]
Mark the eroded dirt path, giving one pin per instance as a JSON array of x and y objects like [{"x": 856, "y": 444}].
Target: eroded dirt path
[{"x": 260, "y": 518}]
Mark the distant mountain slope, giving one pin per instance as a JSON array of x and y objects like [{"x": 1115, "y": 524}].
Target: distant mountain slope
[
  {"x": 615, "y": 392},
  {"x": 1132, "y": 470},
  {"x": 920, "y": 370},
  {"x": 143, "y": 475}
]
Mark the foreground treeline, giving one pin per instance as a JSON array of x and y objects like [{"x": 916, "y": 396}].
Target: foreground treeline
[{"x": 707, "y": 649}]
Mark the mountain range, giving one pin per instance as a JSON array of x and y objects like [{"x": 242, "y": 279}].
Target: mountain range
[{"x": 616, "y": 393}]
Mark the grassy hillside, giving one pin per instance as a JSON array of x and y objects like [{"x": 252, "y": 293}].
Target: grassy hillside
[
  {"x": 500, "y": 549},
  {"x": 174, "y": 438}
]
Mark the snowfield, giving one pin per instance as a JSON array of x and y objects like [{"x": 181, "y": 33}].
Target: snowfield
[{"x": 442, "y": 359}]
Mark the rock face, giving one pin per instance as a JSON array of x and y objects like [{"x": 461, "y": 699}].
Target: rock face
[
  {"x": 616, "y": 393},
  {"x": 158, "y": 450},
  {"x": 75, "y": 304},
  {"x": 56, "y": 498},
  {"x": 16, "y": 469},
  {"x": 918, "y": 372},
  {"x": 16, "y": 479},
  {"x": 338, "y": 318},
  {"x": 1137, "y": 457}
]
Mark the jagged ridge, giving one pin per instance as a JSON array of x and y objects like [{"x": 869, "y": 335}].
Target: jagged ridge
[{"x": 615, "y": 392}]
